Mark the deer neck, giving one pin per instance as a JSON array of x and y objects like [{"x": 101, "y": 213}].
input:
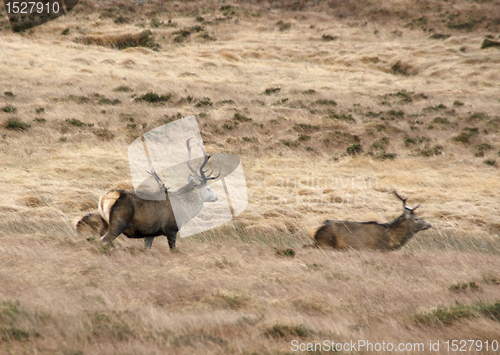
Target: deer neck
[
  {"x": 399, "y": 232},
  {"x": 187, "y": 203}
]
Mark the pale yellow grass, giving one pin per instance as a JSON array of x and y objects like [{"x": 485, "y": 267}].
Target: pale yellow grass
[{"x": 225, "y": 288}]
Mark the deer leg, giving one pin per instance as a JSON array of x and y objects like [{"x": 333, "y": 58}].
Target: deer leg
[
  {"x": 148, "y": 241},
  {"x": 171, "y": 237},
  {"x": 104, "y": 228},
  {"x": 116, "y": 227}
]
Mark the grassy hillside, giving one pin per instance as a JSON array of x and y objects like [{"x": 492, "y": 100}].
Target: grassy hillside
[{"x": 329, "y": 105}]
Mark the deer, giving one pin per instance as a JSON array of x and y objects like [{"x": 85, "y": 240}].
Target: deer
[
  {"x": 370, "y": 235},
  {"x": 122, "y": 211}
]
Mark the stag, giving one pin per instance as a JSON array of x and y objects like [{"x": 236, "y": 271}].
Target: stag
[
  {"x": 370, "y": 235},
  {"x": 124, "y": 212}
]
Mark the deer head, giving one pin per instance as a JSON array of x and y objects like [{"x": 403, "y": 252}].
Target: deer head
[
  {"x": 200, "y": 178},
  {"x": 415, "y": 223}
]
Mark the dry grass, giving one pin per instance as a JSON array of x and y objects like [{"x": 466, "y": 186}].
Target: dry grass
[{"x": 327, "y": 116}]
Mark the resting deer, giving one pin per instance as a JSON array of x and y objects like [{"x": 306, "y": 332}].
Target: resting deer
[
  {"x": 124, "y": 212},
  {"x": 370, "y": 235}
]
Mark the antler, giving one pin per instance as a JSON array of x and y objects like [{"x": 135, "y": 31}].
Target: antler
[
  {"x": 189, "y": 157},
  {"x": 205, "y": 161},
  {"x": 404, "y": 202},
  {"x": 153, "y": 173},
  {"x": 402, "y": 199}
]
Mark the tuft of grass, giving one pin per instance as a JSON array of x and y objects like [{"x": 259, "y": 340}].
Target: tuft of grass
[
  {"x": 489, "y": 43},
  {"x": 450, "y": 315},
  {"x": 441, "y": 120},
  {"x": 305, "y": 127},
  {"x": 79, "y": 99},
  {"x": 205, "y": 102},
  {"x": 491, "y": 279},
  {"x": 457, "y": 103},
  {"x": 280, "y": 330},
  {"x": 9, "y": 93},
  {"x": 152, "y": 97},
  {"x": 285, "y": 252},
  {"x": 123, "y": 88},
  {"x": 381, "y": 143},
  {"x": 396, "y": 113},
  {"x": 181, "y": 36},
  {"x": 462, "y": 137},
  {"x": 13, "y": 333},
  {"x": 9, "y": 310},
  {"x": 436, "y": 150},
  {"x": 228, "y": 300},
  {"x": 340, "y": 116},
  {"x": 326, "y": 37},
  {"x": 15, "y": 124},
  {"x": 310, "y": 305},
  {"x": 290, "y": 144},
  {"x": 270, "y": 91},
  {"x": 10, "y": 313},
  {"x": 490, "y": 162},
  {"x": 326, "y": 102},
  {"x": 281, "y": 101},
  {"x": 415, "y": 140},
  {"x": 478, "y": 116},
  {"x": 65, "y": 31},
  {"x": 122, "y": 41},
  {"x": 444, "y": 315},
  {"x": 283, "y": 26},
  {"x": 227, "y": 10},
  {"x": 354, "y": 149},
  {"x": 155, "y": 23},
  {"x": 126, "y": 117},
  {"x": 466, "y": 135},
  {"x": 404, "y": 95},
  {"x": 75, "y": 122},
  {"x": 9, "y": 109},
  {"x": 439, "y": 36},
  {"x": 385, "y": 156},
  {"x": 481, "y": 148},
  {"x": 104, "y": 134},
  {"x": 461, "y": 287},
  {"x": 122, "y": 19},
  {"x": 434, "y": 108},
  {"x": 401, "y": 68},
  {"x": 111, "y": 326},
  {"x": 242, "y": 118},
  {"x": 250, "y": 139}
]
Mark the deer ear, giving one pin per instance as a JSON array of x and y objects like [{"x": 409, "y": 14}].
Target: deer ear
[
  {"x": 190, "y": 178},
  {"x": 407, "y": 213}
]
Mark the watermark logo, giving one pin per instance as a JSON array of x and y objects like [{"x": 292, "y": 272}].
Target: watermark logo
[
  {"x": 174, "y": 153},
  {"x": 310, "y": 191},
  {"x": 24, "y": 15}
]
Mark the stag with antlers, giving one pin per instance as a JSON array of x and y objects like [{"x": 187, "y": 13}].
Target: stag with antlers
[
  {"x": 124, "y": 212},
  {"x": 370, "y": 235}
]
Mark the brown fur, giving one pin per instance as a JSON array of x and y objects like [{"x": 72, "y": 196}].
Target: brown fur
[
  {"x": 124, "y": 212},
  {"x": 90, "y": 224},
  {"x": 147, "y": 217},
  {"x": 369, "y": 235}
]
